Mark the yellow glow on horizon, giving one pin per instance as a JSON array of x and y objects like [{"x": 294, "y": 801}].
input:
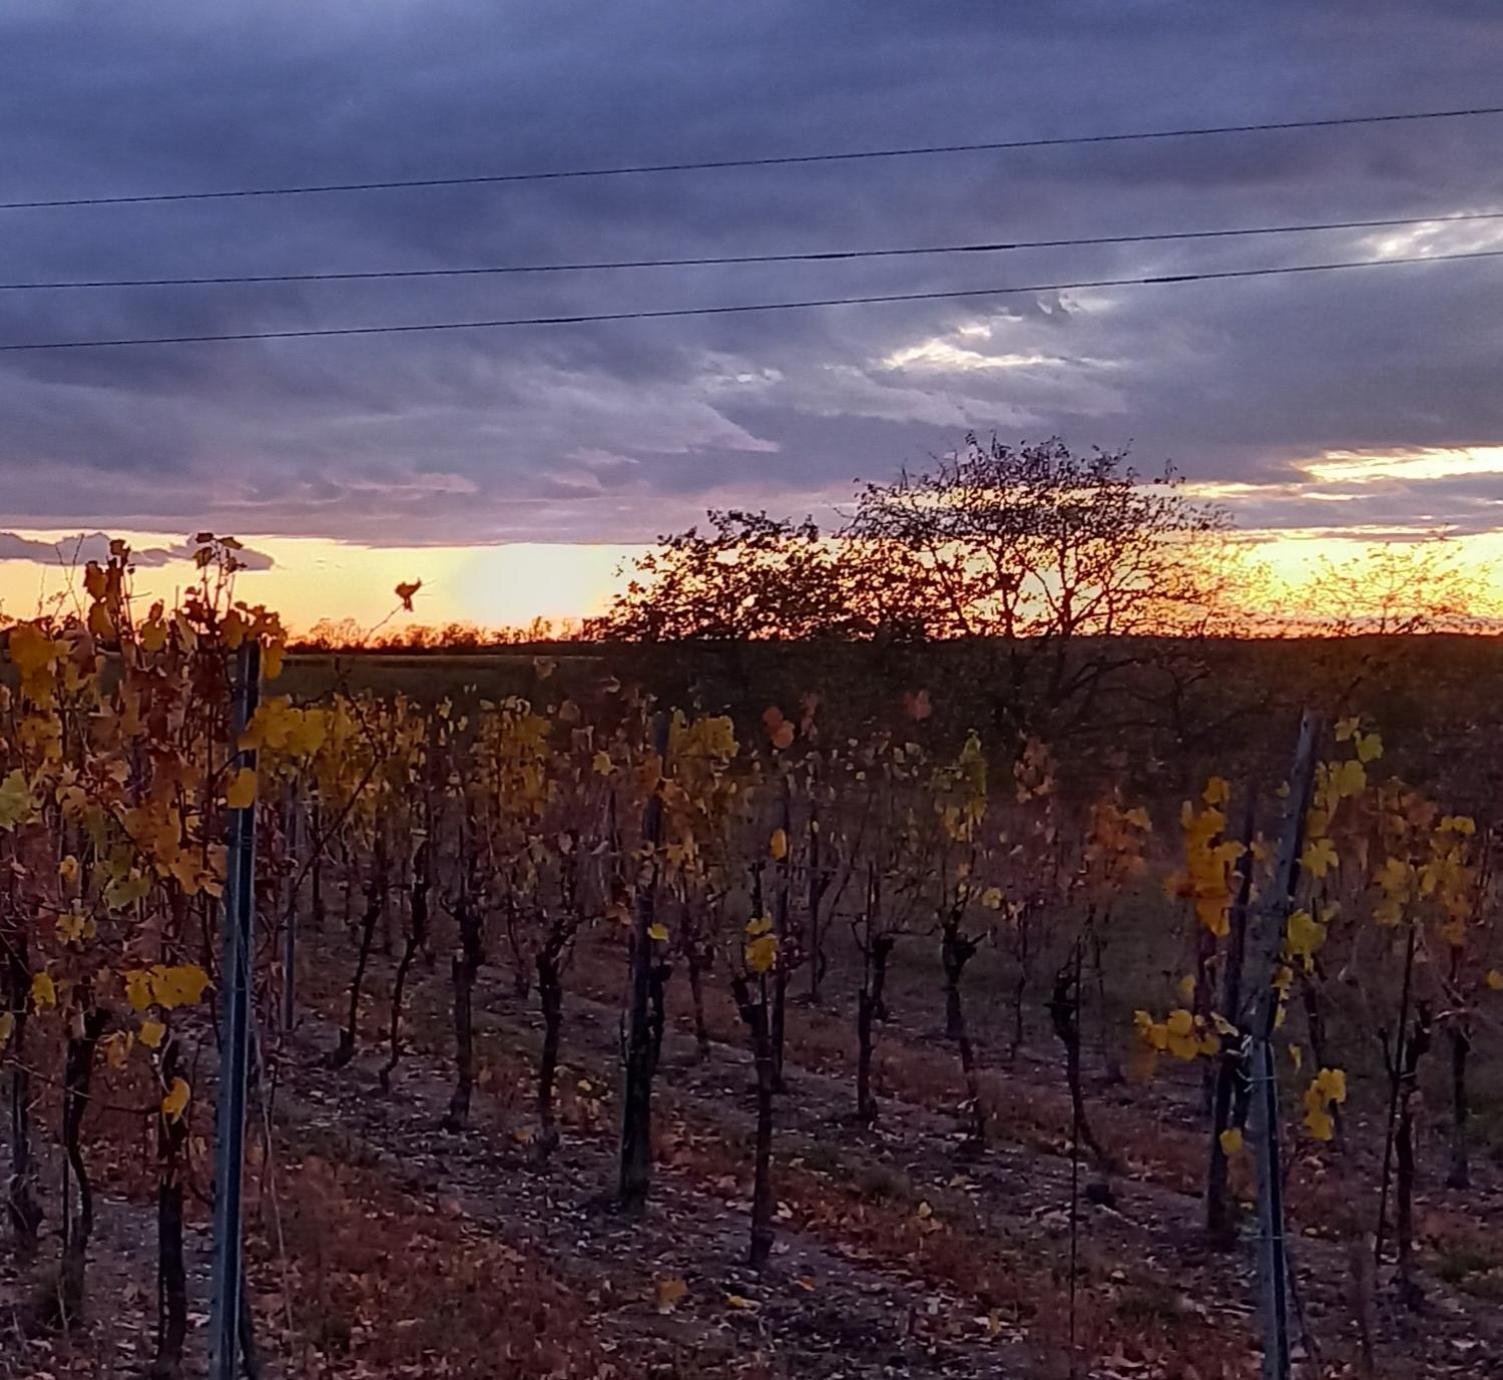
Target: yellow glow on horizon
[
  {"x": 504, "y": 585},
  {"x": 510, "y": 584},
  {"x": 1291, "y": 558},
  {"x": 1348, "y": 467}
]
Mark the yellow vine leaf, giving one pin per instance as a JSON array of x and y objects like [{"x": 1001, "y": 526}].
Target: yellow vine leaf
[
  {"x": 31, "y": 649},
  {"x": 126, "y": 891},
  {"x": 1349, "y": 778},
  {"x": 241, "y": 794},
  {"x": 43, "y": 991},
  {"x": 184, "y": 870},
  {"x": 16, "y": 804},
  {"x": 1318, "y": 858},
  {"x": 762, "y": 953},
  {"x": 1184, "y": 1043},
  {"x": 1181, "y": 1033},
  {"x": 152, "y": 634},
  {"x": 1304, "y": 937},
  {"x": 73, "y": 927},
  {"x": 34, "y": 654},
  {"x": 1231, "y": 1141},
  {"x": 659, "y": 931},
  {"x": 138, "y": 988},
  {"x": 1396, "y": 876},
  {"x": 309, "y": 733},
  {"x": 176, "y": 1101},
  {"x": 151, "y": 1034},
  {"x": 1155, "y": 1034},
  {"x": 268, "y": 725},
  {"x": 100, "y": 622},
  {"x": 778, "y": 845},
  {"x": 182, "y": 985},
  {"x": 1326, "y": 1088}
]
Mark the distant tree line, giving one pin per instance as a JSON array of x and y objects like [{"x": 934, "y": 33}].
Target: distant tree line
[{"x": 347, "y": 635}]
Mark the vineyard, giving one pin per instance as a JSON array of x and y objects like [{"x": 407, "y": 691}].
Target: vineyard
[{"x": 560, "y": 1027}]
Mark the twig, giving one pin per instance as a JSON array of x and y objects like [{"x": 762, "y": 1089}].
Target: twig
[{"x": 1395, "y": 1079}]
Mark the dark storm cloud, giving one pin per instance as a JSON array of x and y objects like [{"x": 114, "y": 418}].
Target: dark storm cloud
[{"x": 616, "y": 431}]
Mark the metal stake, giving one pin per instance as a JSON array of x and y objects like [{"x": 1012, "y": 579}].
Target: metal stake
[
  {"x": 292, "y": 830},
  {"x": 234, "y": 1043},
  {"x": 1257, "y": 1018}
]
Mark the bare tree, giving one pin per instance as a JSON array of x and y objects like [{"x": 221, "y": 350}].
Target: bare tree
[
  {"x": 1052, "y": 565},
  {"x": 751, "y": 577}
]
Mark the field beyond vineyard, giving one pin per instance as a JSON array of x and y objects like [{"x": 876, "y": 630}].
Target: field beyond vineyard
[{"x": 752, "y": 1011}]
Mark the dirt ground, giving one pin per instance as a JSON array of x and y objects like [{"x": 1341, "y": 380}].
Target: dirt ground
[{"x": 384, "y": 1246}]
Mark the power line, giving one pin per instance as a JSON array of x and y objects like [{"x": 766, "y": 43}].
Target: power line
[
  {"x": 813, "y": 256},
  {"x": 745, "y": 307},
  {"x": 780, "y": 160}
]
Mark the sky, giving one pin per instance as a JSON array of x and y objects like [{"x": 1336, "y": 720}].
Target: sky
[{"x": 513, "y": 470}]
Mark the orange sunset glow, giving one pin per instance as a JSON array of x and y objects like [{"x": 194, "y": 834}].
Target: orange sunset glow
[
  {"x": 312, "y": 579},
  {"x": 510, "y": 586}
]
